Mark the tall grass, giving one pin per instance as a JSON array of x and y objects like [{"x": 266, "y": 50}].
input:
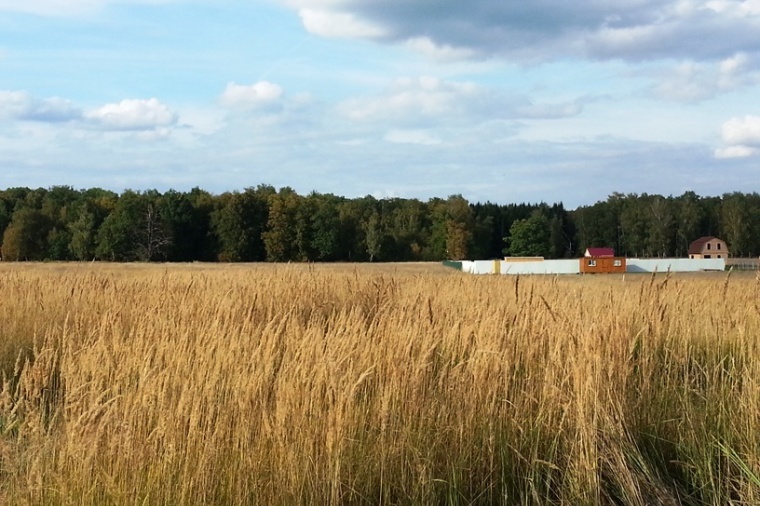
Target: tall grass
[{"x": 308, "y": 385}]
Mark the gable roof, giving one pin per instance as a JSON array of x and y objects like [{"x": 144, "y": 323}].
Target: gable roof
[
  {"x": 600, "y": 252},
  {"x": 695, "y": 248}
]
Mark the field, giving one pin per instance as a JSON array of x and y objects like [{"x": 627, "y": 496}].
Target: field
[{"x": 391, "y": 384}]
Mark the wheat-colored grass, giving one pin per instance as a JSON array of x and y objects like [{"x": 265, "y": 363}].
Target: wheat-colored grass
[{"x": 297, "y": 384}]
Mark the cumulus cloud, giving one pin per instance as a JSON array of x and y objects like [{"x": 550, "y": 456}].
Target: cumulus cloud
[
  {"x": 127, "y": 115},
  {"x": 338, "y": 24},
  {"x": 741, "y": 136},
  {"x": 422, "y": 97},
  {"x": 66, "y": 8},
  {"x": 440, "y": 52},
  {"x": 132, "y": 114},
  {"x": 20, "y": 105},
  {"x": 735, "y": 152},
  {"x": 548, "y": 111},
  {"x": 430, "y": 100},
  {"x": 540, "y": 30},
  {"x": 744, "y": 130},
  {"x": 420, "y": 137},
  {"x": 50, "y": 7},
  {"x": 692, "y": 81},
  {"x": 260, "y": 93}
]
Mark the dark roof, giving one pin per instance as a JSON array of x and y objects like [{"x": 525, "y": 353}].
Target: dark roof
[
  {"x": 601, "y": 252},
  {"x": 695, "y": 248}
]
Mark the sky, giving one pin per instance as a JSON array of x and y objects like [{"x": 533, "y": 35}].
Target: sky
[{"x": 497, "y": 100}]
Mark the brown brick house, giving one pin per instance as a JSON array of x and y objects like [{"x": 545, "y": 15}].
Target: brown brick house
[{"x": 708, "y": 247}]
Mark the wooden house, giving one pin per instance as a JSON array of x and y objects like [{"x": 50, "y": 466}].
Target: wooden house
[
  {"x": 601, "y": 260},
  {"x": 708, "y": 247}
]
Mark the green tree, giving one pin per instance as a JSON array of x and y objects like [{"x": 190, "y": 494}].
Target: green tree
[
  {"x": 735, "y": 216},
  {"x": 661, "y": 229},
  {"x": 436, "y": 246},
  {"x": 83, "y": 234},
  {"x": 280, "y": 238},
  {"x": 325, "y": 227},
  {"x": 530, "y": 237},
  {"x": 406, "y": 228},
  {"x": 25, "y": 238},
  {"x": 153, "y": 240},
  {"x": 133, "y": 231},
  {"x": 635, "y": 226},
  {"x": 203, "y": 243},
  {"x": 688, "y": 218},
  {"x": 186, "y": 225},
  {"x": 353, "y": 215},
  {"x": 58, "y": 241},
  {"x": 240, "y": 222},
  {"x": 598, "y": 226},
  {"x": 374, "y": 236},
  {"x": 460, "y": 223},
  {"x": 6, "y": 211},
  {"x": 561, "y": 232},
  {"x": 481, "y": 236}
]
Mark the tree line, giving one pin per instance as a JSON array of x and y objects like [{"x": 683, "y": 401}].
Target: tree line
[{"x": 266, "y": 224}]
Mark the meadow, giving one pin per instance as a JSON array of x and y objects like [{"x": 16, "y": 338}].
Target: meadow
[{"x": 361, "y": 384}]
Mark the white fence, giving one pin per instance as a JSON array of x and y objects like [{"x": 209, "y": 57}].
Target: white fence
[
  {"x": 534, "y": 267},
  {"x": 573, "y": 266},
  {"x": 675, "y": 264},
  {"x": 542, "y": 267}
]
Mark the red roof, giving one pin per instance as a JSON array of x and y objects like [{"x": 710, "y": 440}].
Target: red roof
[{"x": 600, "y": 252}]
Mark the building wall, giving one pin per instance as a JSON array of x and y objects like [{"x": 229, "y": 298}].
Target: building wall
[
  {"x": 713, "y": 248},
  {"x": 602, "y": 264}
]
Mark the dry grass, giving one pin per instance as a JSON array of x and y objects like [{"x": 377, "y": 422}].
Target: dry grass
[{"x": 295, "y": 384}]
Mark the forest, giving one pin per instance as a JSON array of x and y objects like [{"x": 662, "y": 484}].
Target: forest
[{"x": 278, "y": 225}]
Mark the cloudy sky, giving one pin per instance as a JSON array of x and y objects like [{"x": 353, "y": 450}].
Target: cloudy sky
[{"x": 500, "y": 100}]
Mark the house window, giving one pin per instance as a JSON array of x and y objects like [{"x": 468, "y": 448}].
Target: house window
[
  {"x": 709, "y": 245},
  {"x": 706, "y": 256},
  {"x": 592, "y": 263},
  {"x": 719, "y": 256},
  {"x": 718, "y": 247},
  {"x": 618, "y": 263}
]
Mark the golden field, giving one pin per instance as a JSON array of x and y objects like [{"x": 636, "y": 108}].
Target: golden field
[{"x": 361, "y": 384}]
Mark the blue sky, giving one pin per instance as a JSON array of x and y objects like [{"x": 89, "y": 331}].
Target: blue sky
[{"x": 500, "y": 100}]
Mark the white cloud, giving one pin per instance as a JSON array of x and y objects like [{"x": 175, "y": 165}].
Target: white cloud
[
  {"x": 67, "y": 8},
  {"x": 20, "y": 105},
  {"x": 420, "y": 137},
  {"x": 542, "y": 30},
  {"x": 133, "y": 114},
  {"x": 744, "y": 130},
  {"x": 549, "y": 111},
  {"x": 430, "y": 101},
  {"x": 688, "y": 82},
  {"x": 413, "y": 98},
  {"x": 692, "y": 81},
  {"x": 738, "y": 9},
  {"x": 338, "y": 24},
  {"x": 13, "y": 103},
  {"x": 735, "y": 152},
  {"x": 438, "y": 52},
  {"x": 51, "y": 7},
  {"x": 157, "y": 134},
  {"x": 741, "y": 137},
  {"x": 262, "y": 92}
]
